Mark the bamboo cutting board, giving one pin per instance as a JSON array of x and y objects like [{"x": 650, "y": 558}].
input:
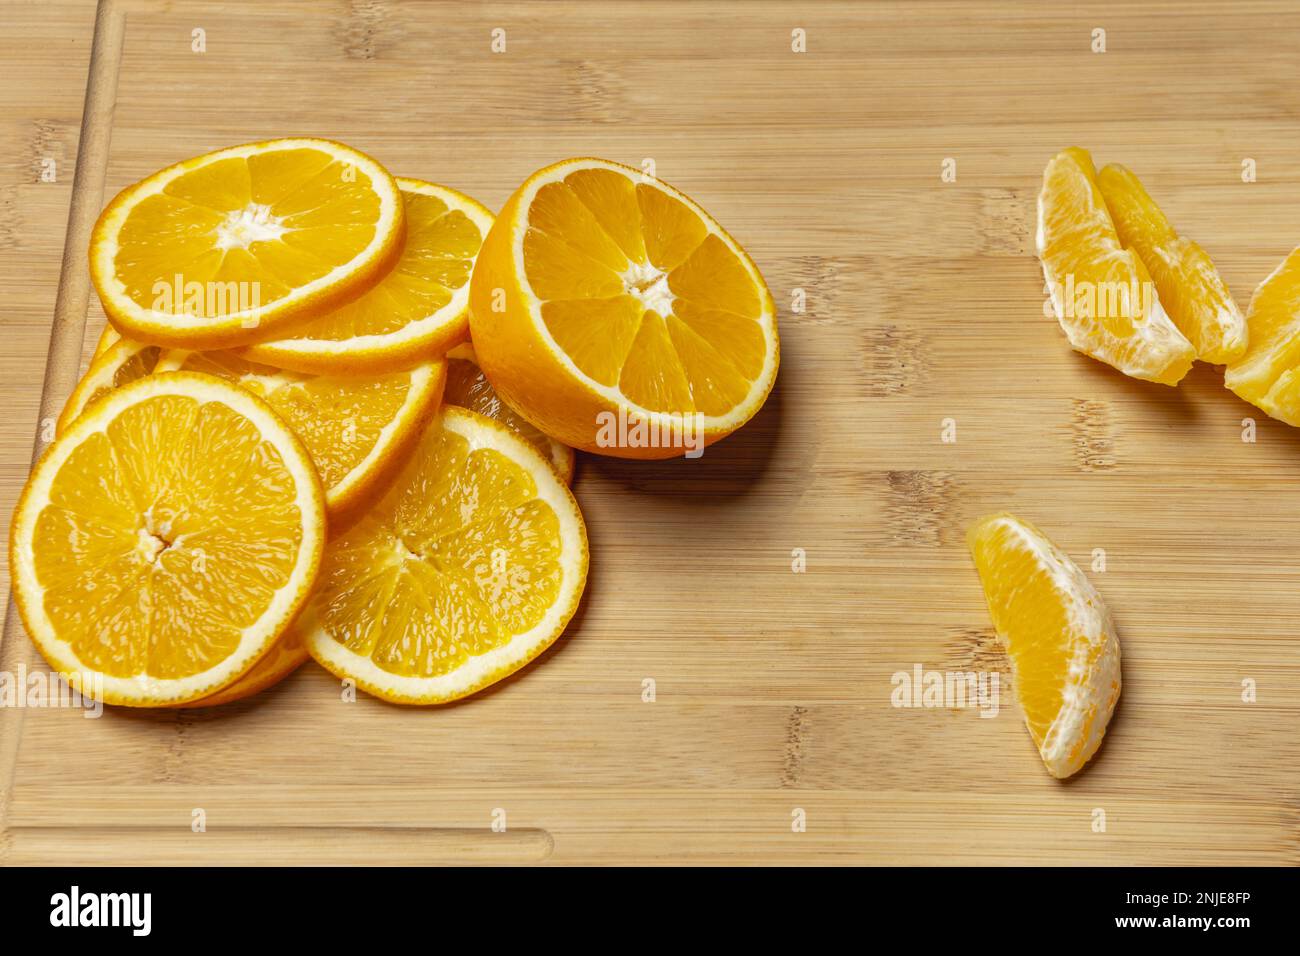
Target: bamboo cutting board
[{"x": 922, "y": 310}]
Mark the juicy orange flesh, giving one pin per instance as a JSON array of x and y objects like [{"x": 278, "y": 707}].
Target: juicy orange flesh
[
  {"x": 468, "y": 387},
  {"x": 1030, "y": 612},
  {"x": 137, "y": 366},
  {"x": 166, "y": 535},
  {"x": 279, "y": 662},
  {"x": 1189, "y": 285},
  {"x": 460, "y": 556},
  {"x": 1267, "y": 373},
  {"x": 338, "y": 417},
  {"x": 1082, "y": 241},
  {"x": 441, "y": 244},
  {"x": 641, "y": 295},
  {"x": 1102, "y": 280},
  {"x": 243, "y": 232}
]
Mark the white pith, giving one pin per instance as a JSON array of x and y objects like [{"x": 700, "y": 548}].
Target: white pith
[
  {"x": 649, "y": 286},
  {"x": 253, "y": 223}
]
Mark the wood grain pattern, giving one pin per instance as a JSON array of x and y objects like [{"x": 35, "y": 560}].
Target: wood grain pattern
[{"x": 923, "y": 303}]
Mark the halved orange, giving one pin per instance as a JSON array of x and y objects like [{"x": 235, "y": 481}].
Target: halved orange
[
  {"x": 612, "y": 312},
  {"x": 415, "y": 312},
  {"x": 1101, "y": 293},
  {"x": 471, "y": 565},
  {"x": 1059, "y": 635},
  {"x": 166, "y": 540},
  {"x": 233, "y": 246},
  {"x": 468, "y": 387},
  {"x": 1191, "y": 289}
]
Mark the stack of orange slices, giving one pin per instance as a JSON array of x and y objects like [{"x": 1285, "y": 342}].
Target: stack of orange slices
[{"x": 287, "y": 445}]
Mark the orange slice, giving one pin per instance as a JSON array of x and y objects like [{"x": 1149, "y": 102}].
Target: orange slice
[
  {"x": 108, "y": 337},
  {"x": 468, "y": 387},
  {"x": 230, "y": 247},
  {"x": 165, "y": 542},
  {"x": 285, "y": 656},
  {"x": 357, "y": 428},
  {"x": 1058, "y": 633},
  {"x": 119, "y": 364},
  {"x": 471, "y": 565},
  {"x": 1190, "y": 288},
  {"x": 1101, "y": 293},
  {"x": 617, "y": 316},
  {"x": 415, "y": 313}
]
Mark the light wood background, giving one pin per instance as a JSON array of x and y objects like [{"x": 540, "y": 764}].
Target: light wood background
[{"x": 924, "y": 302}]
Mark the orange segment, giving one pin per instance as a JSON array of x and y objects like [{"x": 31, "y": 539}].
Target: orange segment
[
  {"x": 229, "y": 247},
  {"x": 560, "y": 270},
  {"x": 612, "y": 199},
  {"x": 604, "y": 295},
  {"x": 1190, "y": 287},
  {"x": 596, "y": 334},
  {"x": 652, "y": 375},
  {"x": 1268, "y": 374},
  {"x": 1101, "y": 292},
  {"x": 671, "y": 231},
  {"x": 1058, "y": 633}
]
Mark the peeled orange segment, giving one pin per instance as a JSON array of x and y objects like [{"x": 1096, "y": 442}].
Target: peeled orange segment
[
  {"x": 358, "y": 429},
  {"x": 468, "y": 387},
  {"x": 416, "y": 312},
  {"x": 118, "y": 365},
  {"x": 107, "y": 339},
  {"x": 1190, "y": 288},
  {"x": 468, "y": 568},
  {"x": 231, "y": 247},
  {"x": 1058, "y": 633},
  {"x": 166, "y": 540},
  {"x": 1101, "y": 292},
  {"x": 1268, "y": 374},
  {"x": 617, "y": 316},
  {"x": 285, "y": 656}
]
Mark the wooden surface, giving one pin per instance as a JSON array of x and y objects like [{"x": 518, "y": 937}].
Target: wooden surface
[{"x": 924, "y": 303}]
